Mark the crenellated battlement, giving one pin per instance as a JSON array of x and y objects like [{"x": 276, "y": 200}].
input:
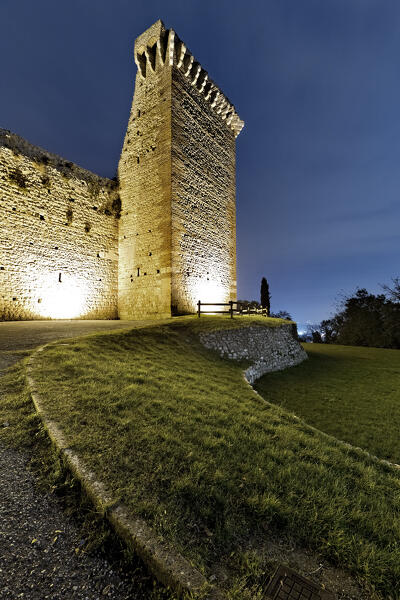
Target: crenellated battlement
[{"x": 158, "y": 47}]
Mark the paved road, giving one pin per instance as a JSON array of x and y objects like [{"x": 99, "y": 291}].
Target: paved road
[
  {"x": 24, "y": 335},
  {"x": 39, "y": 544}
]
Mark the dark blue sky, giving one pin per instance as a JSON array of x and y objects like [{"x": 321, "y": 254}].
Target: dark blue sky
[{"x": 317, "y": 83}]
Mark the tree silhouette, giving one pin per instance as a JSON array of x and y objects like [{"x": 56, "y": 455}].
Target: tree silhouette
[{"x": 265, "y": 295}]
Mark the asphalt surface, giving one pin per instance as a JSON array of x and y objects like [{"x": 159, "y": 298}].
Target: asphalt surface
[{"x": 40, "y": 547}]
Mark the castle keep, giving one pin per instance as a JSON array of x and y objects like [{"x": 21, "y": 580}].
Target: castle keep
[{"x": 75, "y": 245}]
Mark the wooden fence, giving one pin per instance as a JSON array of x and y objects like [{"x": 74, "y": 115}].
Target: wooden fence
[{"x": 239, "y": 310}]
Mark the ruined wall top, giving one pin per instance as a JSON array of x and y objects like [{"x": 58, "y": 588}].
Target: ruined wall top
[
  {"x": 157, "y": 47},
  {"x": 19, "y": 145}
]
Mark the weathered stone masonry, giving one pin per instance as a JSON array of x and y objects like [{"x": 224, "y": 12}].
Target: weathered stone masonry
[
  {"x": 74, "y": 244},
  {"x": 271, "y": 348},
  {"x": 177, "y": 184},
  {"x": 58, "y": 242}
]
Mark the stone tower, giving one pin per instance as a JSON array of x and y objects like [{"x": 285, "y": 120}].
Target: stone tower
[{"x": 177, "y": 232}]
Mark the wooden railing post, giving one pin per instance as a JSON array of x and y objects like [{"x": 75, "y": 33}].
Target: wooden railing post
[
  {"x": 199, "y": 308},
  {"x": 231, "y": 308}
]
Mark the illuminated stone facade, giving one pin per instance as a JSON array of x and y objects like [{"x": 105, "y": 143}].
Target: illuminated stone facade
[
  {"x": 73, "y": 244},
  {"x": 177, "y": 184},
  {"x": 58, "y": 236}
]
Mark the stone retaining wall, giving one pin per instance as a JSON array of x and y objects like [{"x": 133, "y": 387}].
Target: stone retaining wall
[{"x": 271, "y": 348}]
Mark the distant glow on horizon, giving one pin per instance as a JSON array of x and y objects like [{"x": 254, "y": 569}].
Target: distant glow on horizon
[{"x": 63, "y": 299}]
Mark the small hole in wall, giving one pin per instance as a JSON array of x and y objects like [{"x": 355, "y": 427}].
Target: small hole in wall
[
  {"x": 14, "y": 209},
  {"x": 59, "y": 278},
  {"x": 41, "y": 217},
  {"x": 138, "y": 272},
  {"x": 98, "y": 255},
  {"x": 94, "y": 207},
  {"x": 150, "y": 253},
  {"x": 149, "y": 230},
  {"x": 55, "y": 247},
  {"x": 71, "y": 199},
  {"x": 145, "y": 273},
  {"x": 99, "y": 279},
  {"x": 138, "y": 133},
  {"x": 158, "y": 271},
  {"x": 87, "y": 227},
  {"x": 208, "y": 279},
  {"x": 138, "y": 159},
  {"x": 39, "y": 300},
  {"x": 14, "y": 299},
  {"x": 153, "y": 148},
  {"x": 1, "y": 268}
]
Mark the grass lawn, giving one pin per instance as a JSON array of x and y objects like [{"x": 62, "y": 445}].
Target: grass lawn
[
  {"x": 350, "y": 392},
  {"x": 182, "y": 440}
]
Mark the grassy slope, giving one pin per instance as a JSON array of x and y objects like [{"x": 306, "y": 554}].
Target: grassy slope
[
  {"x": 181, "y": 438},
  {"x": 355, "y": 395},
  {"x": 25, "y": 432}
]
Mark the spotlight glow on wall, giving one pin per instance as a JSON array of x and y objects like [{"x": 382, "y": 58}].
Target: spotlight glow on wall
[
  {"x": 61, "y": 297},
  {"x": 210, "y": 291}
]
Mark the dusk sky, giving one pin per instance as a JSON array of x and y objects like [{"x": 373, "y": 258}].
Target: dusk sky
[{"x": 317, "y": 83}]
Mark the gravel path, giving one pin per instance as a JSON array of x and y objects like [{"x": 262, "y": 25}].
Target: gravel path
[{"x": 38, "y": 542}]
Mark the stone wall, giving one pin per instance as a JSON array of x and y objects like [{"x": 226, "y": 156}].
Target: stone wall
[
  {"x": 177, "y": 185},
  {"x": 58, "y": 243},
  {"x": 74, "y": 244},
  {"x": 144, "y": 174},
  {"x": 203, "y": 199},
  {"x": 271, "y": 348}
]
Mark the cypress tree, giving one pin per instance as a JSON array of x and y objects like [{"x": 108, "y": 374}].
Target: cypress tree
[{"x": 265, "y": 295}]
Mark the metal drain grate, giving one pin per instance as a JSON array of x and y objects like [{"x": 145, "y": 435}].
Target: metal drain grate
[{"x": 286, "y": 584}]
